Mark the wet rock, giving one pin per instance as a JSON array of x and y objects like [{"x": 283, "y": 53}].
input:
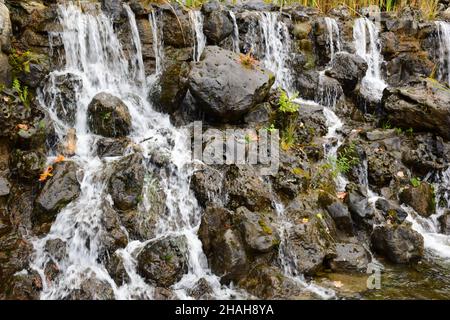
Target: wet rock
[
  {"x": 261, "y": 114},
  {"x": 25, "y": 286},
  {"x": 177, "y": 27},
  {"x": 444, "y": 221},
  {"x": 358, "y": 204},
  {"x": 420, "y": 198},
  {"x": 350, "y": 257},
  {"x": 56, "y": 248},
  {"x": 382, "y": 167},
  {"x": 427, "y": 152},
  {"x": 348, "y": 69},
  {"x": 378, "y": 134},
  {"x": 112, "y": 8},
  {"x": 311, "y": 238},
  {"x": 302, "y": 30},
  {"x": 116, "y": 269},
  {"x": 222, "y": 245},
  {"x": 126, "y": 181},
  {"x": 5, "y": 27},
  {"x": 207, "y": 184},
  {"x": 4, "y": 186},
  {"x": 64, "y": 99},
  {"x": 92, "y": 289},
  {"x": 400, "y": 244},
  {"x": 59, "y": 190},
  {"x": 245, "y": 187},
  {"x": 201, "y": 290},
  {"x": 110, "y": 147},
  {"x": 341, "y": 216},
  {"x": 422, "y": 105},
  {"x": 112, "y": 236},
  {"x": 406, "y": 66},
  {"x": 217, "y": 23},
  {"x": 225, "y": 88},
  {"x": 257, "y": 230},
  {"x": 268, "y": 282},
  {"x": 163, "y": 262},
  {"x": 108, "y": 116},
  {"x": 28, "y": 164},
  {"x": 173, "y": 80},
  {"x": 5, "y": 70},
  {"x": 391, "y": 211}
]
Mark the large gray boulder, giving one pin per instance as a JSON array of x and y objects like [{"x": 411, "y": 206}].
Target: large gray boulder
[
  {"x": 348, "y": 69},
  {"x": 126, "y": 181},
  {"x": 59, "y": 190},
  {"x": 423, "y": 105},
  {"x": 108, "y": 116},
  {"x": 163, "y": 262},
  {"x": 224, "y": 87},
  {"x": 217, "y": 22},
  {"x": 400, "y": 244}
]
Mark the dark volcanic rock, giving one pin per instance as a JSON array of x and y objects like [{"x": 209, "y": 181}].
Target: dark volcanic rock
[
  {"x": 421, "y": 198},
  {"x": 126, "y": 182},
  {"x": 400, "y": 244},
  {"x": 350, "y": 258},
  {"x": 163, "y": 262},
  {"x": 217, "y": 23},
  {"x": 423, "y": 105},
  {"x": 59, "y": 190},
  {"x": 225, "y": 88},
  {"x": 348, "y": 69},
  {"x": 108, "y": 116}
]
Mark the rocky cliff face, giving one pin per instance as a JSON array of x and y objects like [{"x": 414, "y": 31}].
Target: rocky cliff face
[{"x": 258, "y": 232}]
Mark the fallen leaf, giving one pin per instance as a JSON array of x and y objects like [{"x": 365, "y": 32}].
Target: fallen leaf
[
  {"x": 341, "y": 195},
  {"x": 22, "y": 127},
  {"x": 305, "y": 220},
  {"x": 47, "y": 173},
  {"x": 400, "y": 174},
  {"x": 338, "y": 284},
  {"x": 319, "y": 215},
  {"x": 59, "y": 158}
]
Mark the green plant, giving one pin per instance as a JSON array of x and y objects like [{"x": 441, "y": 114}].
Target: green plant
[
  {"x": 346, "y": 160},
  {"x": 270, "y": 128},
  {"x": 288, "y": 136},
  {"x": 22, "y": 92},
  {"x": 286, "y": 104},
  {"x": 399, "y": 131},
  {"x": 415, "y": 182},
  {"x": 409, "y": 132},
  {"x": 386, "y": 125}
]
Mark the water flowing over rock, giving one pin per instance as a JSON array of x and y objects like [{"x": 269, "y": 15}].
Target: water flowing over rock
[
  {"x": 224, "y": 87},
  {"x": 163, "y": 262},
  {"x": 59, "y": 190},
  {"x": 109, "y": 116}
]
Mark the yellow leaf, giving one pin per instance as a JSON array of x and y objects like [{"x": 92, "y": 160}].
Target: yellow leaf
[
  {"x": 305, "y": 220},
  {"x": 47, "y": 173},
  {"x": 59, "y": 158},
  {"x": 319, "y": 215}
]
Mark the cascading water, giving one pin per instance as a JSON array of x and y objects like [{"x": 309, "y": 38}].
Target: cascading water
[
  {"x": 438, "y": 244},
  {"x": 367, "y": 45},
  {"x": 196, "y": 18},
  {"x": 94, "y": 54},
  {"x": 276, "y": 49},
  {"x": 157, "y": 41},
  {"x": 333, "y": 39},
  {"x": 443, "y": 29},
  {"x": 235, "y": 36}
]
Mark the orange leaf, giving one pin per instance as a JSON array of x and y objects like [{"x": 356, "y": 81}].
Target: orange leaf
[
  {"x": 47, "y": 173},
  {"x": 341, "y": 195},
  {"x": 59, "y": 158},
  {"x": 22, "y": 126}
]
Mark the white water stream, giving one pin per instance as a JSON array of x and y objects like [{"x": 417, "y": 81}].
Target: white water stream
[
  {"x": 444, "y": 51},
  {"x": 94, "y": 53}
]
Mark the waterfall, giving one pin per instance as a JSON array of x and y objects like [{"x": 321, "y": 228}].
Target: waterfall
[
  {"x": 333, "y": 36},
  {"x": 94, "y": 54},
  {"x": 444, "y": 50},
  {"x": 157, "y": 42},
  {"x": 138, "y": 63},
  {"x": 196, "y": 18},
  {"x": 372, "y": 84},
  {"x": 438, "y": 244},
  {"x": 235, "y": 36},
  {"x": 276, "y": 49}
]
